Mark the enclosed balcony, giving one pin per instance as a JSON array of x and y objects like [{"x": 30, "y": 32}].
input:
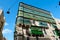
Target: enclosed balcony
[
  {"x": 23, "y": 21},
  {"x": 43, "y": 24},
  {"x": 36, "y": 31},
  {"x": 36, "y": 17}
]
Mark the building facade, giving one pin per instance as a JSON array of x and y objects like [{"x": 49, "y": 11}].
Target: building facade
[
  {"x": 58, "y": 26},
  {"x": 58, "y": 23},
  {"x": 1, "y": 24},
  {"x": 34, "y": 23}
]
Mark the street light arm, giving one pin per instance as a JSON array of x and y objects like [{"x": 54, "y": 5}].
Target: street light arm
[{"x": 8, "y": 11}]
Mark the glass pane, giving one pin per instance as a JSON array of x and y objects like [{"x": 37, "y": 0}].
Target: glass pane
[
  {"x": 20, "y": 13},
  {"x": 54, "y": 25},
  {"x": 42, "y": 14},
  {"x": 35, "y": 17},
  {"x": 20, "y": 8},
  {"x": 27, "y": 21},
  {"x": 20, "y": 20},
  {"x": 44, "y": 24},
  {"x": 35, "y": 12}
]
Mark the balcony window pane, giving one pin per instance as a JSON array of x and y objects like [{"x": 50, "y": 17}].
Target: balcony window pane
[
  {"x": 27, "y": 21},
  {"x": 20, "y": 8},
  {"x": 54, "y": 25},
  {"x": 35, "y": 12},
  {"x": 20, "y": 20},
  {"x": 42, "y": 14},
  {"x": 44, "y": 24},
  {"x": 20, "y": 13}
]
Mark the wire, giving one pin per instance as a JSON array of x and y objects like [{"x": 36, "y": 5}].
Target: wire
[{"x": 12, "y": 5}]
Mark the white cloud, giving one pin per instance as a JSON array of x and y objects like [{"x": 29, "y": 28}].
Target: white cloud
[
  {"x": 6, "y": 24},
  {"x": 6, "y": 31}
]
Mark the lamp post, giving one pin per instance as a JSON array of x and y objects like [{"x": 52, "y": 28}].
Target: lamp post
[
  {"x": 36, "y": 37},
  {"x": 8, "y": 11}
]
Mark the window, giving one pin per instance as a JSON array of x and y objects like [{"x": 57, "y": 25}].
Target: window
[
  {"x": 35, "y": 12},
  {"x": 20, "y": 8},
  {"x": 42, "y": 23},
  {"x": 27, "y": 15},
  {"x": 54, "y": 25},
  {"x": 27, "y": 21},
  {"x": 33, "y": 21},
  {"x": 54, "y": 31},
  {"x": 56, "y": 38},
  {"x": 42, "y": 14},
  {"x": 20, "y": 13},
  {"x": 21, "y": 19},
  {"x": 28, "y": 10},
  {"x": 45, "y": 31}
]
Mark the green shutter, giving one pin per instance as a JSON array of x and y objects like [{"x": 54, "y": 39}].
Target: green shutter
[
  {"x": 57, "y": 32},
  {"x": 36, "y": 31}
]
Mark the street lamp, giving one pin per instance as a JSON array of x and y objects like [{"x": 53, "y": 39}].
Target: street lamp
[
  {"x": 8, "y": 11},
  {"x": 59, "y": 3}
]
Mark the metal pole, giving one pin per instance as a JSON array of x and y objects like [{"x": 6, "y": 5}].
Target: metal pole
[{"x": 36, "y": 37}]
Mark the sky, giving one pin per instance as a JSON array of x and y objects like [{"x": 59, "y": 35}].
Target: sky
[{"x": 9, "y": 27}]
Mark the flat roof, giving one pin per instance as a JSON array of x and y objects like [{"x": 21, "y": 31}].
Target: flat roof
[{"x": 35, "y": 8}]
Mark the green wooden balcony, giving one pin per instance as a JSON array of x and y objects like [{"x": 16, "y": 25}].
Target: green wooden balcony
[
  {"x": 57, "y": 32},
  {"x": 36, "y": 31}
]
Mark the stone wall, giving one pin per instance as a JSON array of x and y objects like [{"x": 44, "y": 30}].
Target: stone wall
[{"x": 1, "y": 24}]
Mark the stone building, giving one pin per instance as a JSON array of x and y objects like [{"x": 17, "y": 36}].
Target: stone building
[
  {"x": 1, "y": 24},
  {"x": 34, "y": 23}
]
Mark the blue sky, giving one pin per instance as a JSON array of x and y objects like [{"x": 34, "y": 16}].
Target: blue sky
[{"x": 8, "y": 31}]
